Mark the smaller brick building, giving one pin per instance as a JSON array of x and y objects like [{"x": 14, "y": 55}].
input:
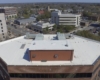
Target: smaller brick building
[{"x": 53, "y": 51}]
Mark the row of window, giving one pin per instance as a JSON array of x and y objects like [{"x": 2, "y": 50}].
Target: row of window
[
  {"x": 66, "y": 75},
  {"x": 64, "y": 20},
  {"x": 64, "y": 17},
  {"x": 2, "y": 28},
  {"x": 67, "y": 17},
  {"x": 67, "y": 22}
]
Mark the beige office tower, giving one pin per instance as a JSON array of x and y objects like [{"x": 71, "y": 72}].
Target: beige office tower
[{"x": 3, "y": 27}]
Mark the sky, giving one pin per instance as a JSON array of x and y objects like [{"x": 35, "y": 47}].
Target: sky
[{"x": 21, "y": 1}]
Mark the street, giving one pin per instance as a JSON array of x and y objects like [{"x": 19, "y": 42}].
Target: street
[{"x": 19, "y": 31}]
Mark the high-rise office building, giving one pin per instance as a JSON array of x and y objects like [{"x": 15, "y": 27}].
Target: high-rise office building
[
  {"x": 60, "y": 18},
  {"x": 3, "y": 27}
]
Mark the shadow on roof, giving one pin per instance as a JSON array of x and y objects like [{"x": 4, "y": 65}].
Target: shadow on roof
[{"x": 26, "y": 55}]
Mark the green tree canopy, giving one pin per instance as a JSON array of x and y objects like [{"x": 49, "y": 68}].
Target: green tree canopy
[{"x": 89, "y": 35}]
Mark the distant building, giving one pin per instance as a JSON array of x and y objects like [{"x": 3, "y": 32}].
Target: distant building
[
  {"x": 40, "y": 12},
  {"x": 24, "y": 22},
  {"x": 3, "y": 27},
  {"x": 39, "y": 26},
  {"x": 84, "y": 23},
  {"x": 10, "y": 12},
  {"x": 80, "y": 11},
  {"x": 49, "y": 9},
  {"x": 94, "y": 17},
  {"x": 65, "y": 19},
  {"x": 34, "y": 15},
  {"x": 68, "y": 11}
]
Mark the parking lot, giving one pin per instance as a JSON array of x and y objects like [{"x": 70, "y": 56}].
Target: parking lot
[{"x": 17, "y": 31}]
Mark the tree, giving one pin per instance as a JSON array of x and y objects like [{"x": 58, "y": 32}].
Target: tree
[
  {"x": 87, "y": 34},
  {"x": 46, "y": 15},
  {"x": 60, "y": 30},
  {"x": 46, "y": 29},
  {"x": 99, "y": 33},
  {"x": 55, "y": 27},
  {"x": 87, "y": 14}
]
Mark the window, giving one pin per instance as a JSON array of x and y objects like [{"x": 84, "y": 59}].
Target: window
[
  {"x": 2, "y": 33},
  {"x": 3, "y": 36},
  {"x": 77, "y": 20},
  {"x": 1, "y": 27},
  {"x": 57, "y": 75},
  {"x": 56, "y": 56},
  {"x": 2, "y": 30},
  {"x": 0, "y": 20},
  {"x": 34, "y": 55},
  {"x": 1, "y": 24}
]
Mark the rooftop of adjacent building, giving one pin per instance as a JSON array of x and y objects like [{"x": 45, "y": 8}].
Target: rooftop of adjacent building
[
  {"x": 43, "y": 24},
  {"x": 14, "y": 51},
  {"x": 6, "y": 7},
  {"x": 60, "y": 13},
  {"x": 25, "y": 20}
]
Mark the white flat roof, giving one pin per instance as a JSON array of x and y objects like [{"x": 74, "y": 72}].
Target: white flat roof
[
  {"x": 50, "y": 45},
  {"x": 86, "y": 51},
  {"x": 6, "y": 7}
]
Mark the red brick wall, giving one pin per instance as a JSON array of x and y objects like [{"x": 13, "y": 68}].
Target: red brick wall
[{"x": 62, "y": 55}]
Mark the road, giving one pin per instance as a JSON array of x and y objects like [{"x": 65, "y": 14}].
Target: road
[
  {"x": 78, "y": 29},
  {"x": 19, "y": 31},
  {"x": 22, "y": 31}
]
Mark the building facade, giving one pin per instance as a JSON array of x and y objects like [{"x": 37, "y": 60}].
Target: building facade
[
  {"x": 39, "y": 26},
  {"x": 94, "y": 17},
  {"x": 50, "y": 57},
  {"x": 24, "y": 22},
  {"x": 3, "y": 27},
  {"x": 10, "y": 12},
  {"x": 65, "y": 19}
]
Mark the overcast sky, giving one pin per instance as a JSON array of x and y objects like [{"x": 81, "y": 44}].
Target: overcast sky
[{"x": 18, "y": 1}]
